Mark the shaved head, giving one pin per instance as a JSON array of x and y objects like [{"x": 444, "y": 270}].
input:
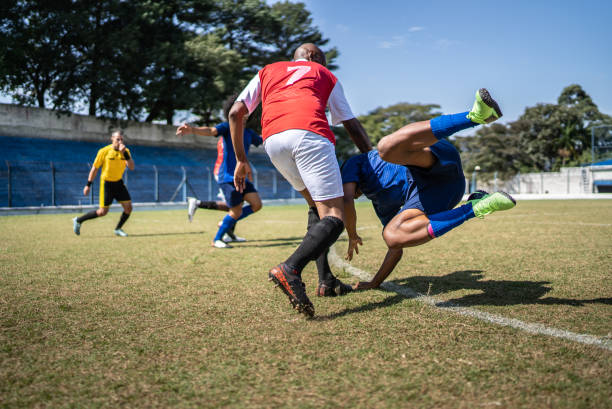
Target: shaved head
[{"x": 310, "y": 52}]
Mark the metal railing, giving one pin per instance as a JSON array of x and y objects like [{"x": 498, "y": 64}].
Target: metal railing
[{"x": 57, "y": 183}]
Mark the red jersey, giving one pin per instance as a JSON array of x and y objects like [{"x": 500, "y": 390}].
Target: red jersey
[{"x": 294, "y": 95}]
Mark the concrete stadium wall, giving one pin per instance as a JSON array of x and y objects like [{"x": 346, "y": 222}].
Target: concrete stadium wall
[{"x": 31, "y": 122}]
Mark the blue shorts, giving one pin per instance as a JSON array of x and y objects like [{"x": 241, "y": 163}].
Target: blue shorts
[
  {"x": 231, "y": 196},
  {"x": 440, "y": 187}
]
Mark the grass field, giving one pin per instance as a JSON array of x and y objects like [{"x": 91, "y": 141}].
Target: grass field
[{"x": 161, "y": 319}]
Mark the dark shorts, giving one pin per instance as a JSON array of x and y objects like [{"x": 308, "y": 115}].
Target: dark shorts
[
  {"x": 110, "y": 191},
  {"x": 439, "y": 188},
  {"x": 436, "y": 198},
  {"x": 233, "y": 197}
]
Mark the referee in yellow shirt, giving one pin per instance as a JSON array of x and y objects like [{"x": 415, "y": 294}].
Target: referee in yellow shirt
[{"x": 113, "y": 160}]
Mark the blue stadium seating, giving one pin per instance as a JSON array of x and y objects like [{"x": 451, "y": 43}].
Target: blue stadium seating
[{"x": 44, "y": 172}]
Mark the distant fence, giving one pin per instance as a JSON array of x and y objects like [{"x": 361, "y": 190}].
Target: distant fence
[
  {"x": 59, "y": 184},
  {"x": 568, "y": 181}
]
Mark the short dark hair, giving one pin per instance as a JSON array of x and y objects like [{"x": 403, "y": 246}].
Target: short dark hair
[{"x": 227, "y": 105}]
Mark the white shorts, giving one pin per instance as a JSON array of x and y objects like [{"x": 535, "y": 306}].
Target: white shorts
[{"x": 307, "y": 161}]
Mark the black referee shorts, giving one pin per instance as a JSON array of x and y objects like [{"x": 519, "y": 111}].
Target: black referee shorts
[{"x": 110, "y": 191}]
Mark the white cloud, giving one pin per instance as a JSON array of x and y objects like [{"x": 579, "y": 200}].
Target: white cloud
[
  {"x": 414, "y": 29},
  {"x": 394, "y": 42}
]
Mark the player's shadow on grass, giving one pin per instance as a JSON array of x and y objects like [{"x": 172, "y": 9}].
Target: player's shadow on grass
[
  {"x": 387, "y": 302},
  {"x": 182, "y": 233},
  {"x": 278, "y": 242},
  {"x": 491, "y": 292}
]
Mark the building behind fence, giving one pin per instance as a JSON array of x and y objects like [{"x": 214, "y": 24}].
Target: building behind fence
[{"x": 568, "y": 181}]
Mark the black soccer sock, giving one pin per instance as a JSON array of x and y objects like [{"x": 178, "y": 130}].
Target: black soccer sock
[
  {"x": 122, "y": 220},
  {"x": 318, "y": 238},
  {"x": 208, "y": 205},
  {"x": 325, "y": 274},
  {"x": 91, "y": 215}
]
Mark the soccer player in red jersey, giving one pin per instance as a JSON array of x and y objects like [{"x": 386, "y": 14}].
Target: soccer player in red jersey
[{"x": 298, "y": 140}]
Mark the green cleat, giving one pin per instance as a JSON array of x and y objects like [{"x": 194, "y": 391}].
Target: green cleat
[
  {"x": 485, "y": 109},
  {"x": 476, "y": 196},
  {"x": 492, "y": 203}
]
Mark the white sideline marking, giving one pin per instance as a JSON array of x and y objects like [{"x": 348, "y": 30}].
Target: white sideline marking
[{"x": 537, "y": 329}]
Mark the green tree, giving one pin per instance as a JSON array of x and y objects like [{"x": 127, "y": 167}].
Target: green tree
[
  {"x": 290, "y": 26},
  {"x": 383, "y": 121},
  {"x": 35, "y": 52},
  {"x": 216, "y": 72},
  {"x": 555, "y": 135},
  {"x": 143, "y": 59},
  {"x": 106, "y": 33},
  {"x": 493, "y": 148}
]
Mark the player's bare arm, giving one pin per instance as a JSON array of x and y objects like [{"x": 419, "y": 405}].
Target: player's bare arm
[
  {"x": 243, "y": 170},
  {"x": 350, "y": 219},
  {"x": 392, "y": 257},
  {"x": 187, "y": 129},
  {"x": 358, "y": 134}
]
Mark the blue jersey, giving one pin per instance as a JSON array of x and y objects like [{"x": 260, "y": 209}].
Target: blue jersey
[
  {"x": 226, "y": 159},
  {"x": 384, "y": 183},
  {"x": 392, "y": 188}
]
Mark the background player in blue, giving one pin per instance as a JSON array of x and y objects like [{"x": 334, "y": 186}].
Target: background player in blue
[
  {"x": 414, "y": 197},
  {"x": 224, "y": 174}
]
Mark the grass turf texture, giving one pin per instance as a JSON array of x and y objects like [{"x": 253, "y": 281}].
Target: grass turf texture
[{"x": 161, "y": 319}]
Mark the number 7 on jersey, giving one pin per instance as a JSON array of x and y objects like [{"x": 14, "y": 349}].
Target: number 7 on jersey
[{"x": 300, "y": 71}]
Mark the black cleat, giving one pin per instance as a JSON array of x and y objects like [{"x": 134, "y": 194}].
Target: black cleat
[{"x": 293, "y": 287}]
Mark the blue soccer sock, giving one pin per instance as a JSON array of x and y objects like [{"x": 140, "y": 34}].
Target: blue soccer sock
[
  {"x": 227, "y": 223},
  {"x": 246, "y": 212},
  {"x": 445, "y": 125},
  {"x": 443, "y": 222}
]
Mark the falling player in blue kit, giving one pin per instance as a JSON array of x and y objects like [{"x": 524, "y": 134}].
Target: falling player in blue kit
[{"x": 415, "y": 195}]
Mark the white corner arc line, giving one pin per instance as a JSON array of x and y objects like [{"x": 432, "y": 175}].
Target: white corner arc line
[{"x": 531, "y": 328}]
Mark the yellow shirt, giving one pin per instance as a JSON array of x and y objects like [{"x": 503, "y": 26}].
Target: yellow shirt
[{"x": 112, "y": 163}]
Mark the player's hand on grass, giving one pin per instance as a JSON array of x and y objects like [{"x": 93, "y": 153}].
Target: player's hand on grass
[
  {"x": 363, "y": 285},
  {"x": 242, "y": 171},
  {"x": 353, "y": 244}
]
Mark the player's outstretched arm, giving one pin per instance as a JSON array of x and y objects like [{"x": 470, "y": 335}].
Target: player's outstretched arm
[
  {"x": 186, "y": 129},
  {"x": 358, "y": 134},
  {"x": 392, "y": 257}
]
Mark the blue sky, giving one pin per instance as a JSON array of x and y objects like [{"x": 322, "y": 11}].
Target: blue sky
[{"x": 442, "y": 51}]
